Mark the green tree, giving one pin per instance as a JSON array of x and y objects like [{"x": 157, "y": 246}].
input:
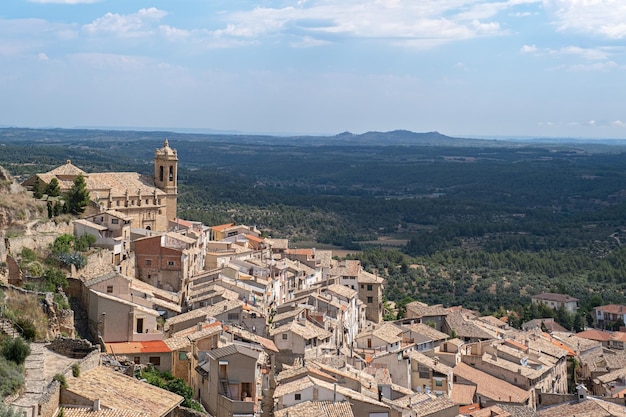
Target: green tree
[
  {"x": 63, "y": 244},
  {"x": 84, "y": 242},
  {"x": 78, "y": 196},
  {"x": 38, "y": 189},
  {"x": 15, "y": 350},
  {"x": 53, "y": 189},
  {"x": 50, "y": 209}
]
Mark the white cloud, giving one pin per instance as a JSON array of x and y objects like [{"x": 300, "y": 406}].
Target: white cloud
[
  {"x": 130, "y": 25},
  {"x": 618, "y": 123},
  {"x": 594, "y": 54},
  {"x": 42, "y": 57},
  {"x": 528, "y": 49},
  {"x": 406, "y": 22},
  {"x": 308, "y": 42},
  {"x": 597, "y": 17}
]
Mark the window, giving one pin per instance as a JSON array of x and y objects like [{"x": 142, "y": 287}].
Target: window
[
  {"x": 155, "y": 360},
  {"x": 439, "y": 383},
  {"x": 182, "y": 356},
  {"x": 284, "y": 336},
  {"x": 362, "y": 286},
  {"x": 370, "y": 300},
  {"x": 148, "y": 261},
  {"x": 369, "y": 287},
  {"x": 117, "y": 203},
  {"x": 233, "y": 316},
  {"x": 423, "y": 371},
  {"x": 298, "y": 397},
  {"x": 161, "y": 173},
  {"x": 114, "y": 221},
  {"x": 109, "y": 289},
  {"x": 171, "y": 173},
  {"x": 171, "y": 263},
  {"x": 147, "y": 201},
  {"x": 136, "y": 360}
]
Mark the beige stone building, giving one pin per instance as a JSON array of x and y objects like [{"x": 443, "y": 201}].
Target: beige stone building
[{"x": 148, "y": 201}]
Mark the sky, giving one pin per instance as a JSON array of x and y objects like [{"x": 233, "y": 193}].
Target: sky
[{"x": 474, "y": 68}]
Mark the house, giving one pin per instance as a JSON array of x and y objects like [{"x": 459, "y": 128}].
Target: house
[
  {"x": 299, "y": 337},
  {"x": 229, "y": 381},
  {"x": 226, "y": 311},
  {"x": 187, "y": 345},
  {"x": 370, "y": 289},
  {"x": 113, "y": 390},
  {"x": 423, "y": 313},
  {"x": 317, "y": 409},
  {"x": 155, "y": 352},
  {"x": 556, "y": 301},
  {"x": 115, "y": 319},
  {"x": 430, "y": 375},
  {"x": 464, "y": 328},
  {"x": 489, "y": 389},
  {"x": 148, "y": 201},
  {"x": 386, "y": 337},
  {"x": 424, "y": 405},
  {"x": 547, "y": 323},
  {"x": 610, "y": 315},
  {"x": 309, "y": 388},
  {"x": 168, "y": 261}
]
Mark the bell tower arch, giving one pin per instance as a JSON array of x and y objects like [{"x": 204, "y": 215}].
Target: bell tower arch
[{"x": 166, "y": 176}]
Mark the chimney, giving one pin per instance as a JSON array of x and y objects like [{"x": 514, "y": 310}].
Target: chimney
[
  {"x": 96, "y": 404},
  {"x": 199, "y": 326}
]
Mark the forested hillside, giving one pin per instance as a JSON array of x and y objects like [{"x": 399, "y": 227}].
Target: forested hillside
[{"x": 487, "y": 223}]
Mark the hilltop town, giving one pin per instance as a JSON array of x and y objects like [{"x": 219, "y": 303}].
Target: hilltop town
[{"x": 253, "y": 327}]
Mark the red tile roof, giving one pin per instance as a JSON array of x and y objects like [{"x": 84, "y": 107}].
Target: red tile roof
[{"x": 153, "y": 346}]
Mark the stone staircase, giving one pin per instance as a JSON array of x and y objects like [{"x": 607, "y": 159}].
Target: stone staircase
[{"x": 6, "y": 326}]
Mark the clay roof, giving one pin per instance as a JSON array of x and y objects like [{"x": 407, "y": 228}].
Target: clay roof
[
  {"x": 126, "y": 348},
  {"x": 342, "y": 290},
  {"x": 612, "y": 309},
  {"x": 232, "y": 349},
  {"x": 67, "y": 169},
  {"x": 346, "y": 268},
  {"x": 303, "y": 328},
  {"x": 118, "y": 391},
  {"x": 119, "y": 184},
  {"x": 432, "y": 363},
  {"x": 466, "y": 328},
  {"x": 595, "y": 334},
  {"x": 90, "y": 224},
  {"x": 365, "y": 277},
  {"x": 427, "y": 331},
  {"x": 186, "y": 337},
  {"x": 422, "y": 404},
  {"x": 317, "y": 409},
  {"x": 418, "y": 310},
  {"x": 489, "y": 386},
  {"x": 550, "y": 296},
  {"x": 588, "y": 408},
  {"x": 463, "y": 394},
  {"x": 73, "y": 411},
  {"x": 202, "y": 313}
]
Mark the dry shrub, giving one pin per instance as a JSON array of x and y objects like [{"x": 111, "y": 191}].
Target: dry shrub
[{"x": 26, "y": 306}]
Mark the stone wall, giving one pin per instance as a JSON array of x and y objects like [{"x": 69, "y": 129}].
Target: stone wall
[
  {"x": 72, "y": 348},
  {"x": 181, "y": 411},
  {"x": 98, "y": 263},
  {"x": 49, "y": 401}
]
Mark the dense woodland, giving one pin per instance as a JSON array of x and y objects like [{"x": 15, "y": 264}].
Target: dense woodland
[{"x": 486, "y": 223}]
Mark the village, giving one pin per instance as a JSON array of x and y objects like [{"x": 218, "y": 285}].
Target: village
[{"x": 256, "y": 327}]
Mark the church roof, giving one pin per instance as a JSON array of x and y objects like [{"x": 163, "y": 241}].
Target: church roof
[
  {"x": 115, "y": 184},
  {"x": 166, "y": 150}
]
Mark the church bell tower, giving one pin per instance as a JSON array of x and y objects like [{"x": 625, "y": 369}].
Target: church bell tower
[{"x": 166, "y": 176}]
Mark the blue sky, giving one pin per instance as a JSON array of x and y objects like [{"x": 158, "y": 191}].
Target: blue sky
[{"x": 549, "y": 68}]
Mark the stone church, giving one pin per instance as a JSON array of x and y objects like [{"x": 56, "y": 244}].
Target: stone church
[{"x": 149, "y": 201}]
